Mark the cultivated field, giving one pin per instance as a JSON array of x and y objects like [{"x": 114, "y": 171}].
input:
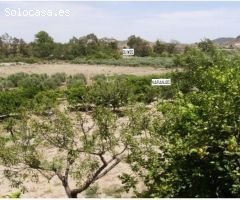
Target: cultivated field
[
  {"x": 110, "y": 184},
  {"x": 88, "y": 70}
]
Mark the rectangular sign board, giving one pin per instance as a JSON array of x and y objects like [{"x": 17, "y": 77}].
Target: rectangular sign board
[
  {"x": 128, "y": 52},
  {"x": 161, "y": 81}
]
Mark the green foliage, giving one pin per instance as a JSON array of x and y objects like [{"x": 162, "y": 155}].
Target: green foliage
[
  {"x": 92, "y": 192},
  {"x": 76, "y": 80},
  {"x": 44, "y": 101},
  {"x": 142, "y": 89},
  {"x": 11, "y": 46},
  {"x": 81, "y": 151},
  {"x": 133, "y": 62},
  {"x": 112, "y": 92},
  {"x": 5, "y": 84},
  {"x": 206, "y": 45},
  {"x": 34, "y": 84},
  {"x": 141, "y": 47},
  {"x": 91, "y": 47},
  {"x": 43, "y": 45},
  {"x": 79, "y": 97},
  {"x": 187, "y": 146},
  {"x": 128, "y": 181},
  {"x": 193, "y": 150},
  {"x": 86, "y": 49},
  {"x": 158, "y": 47},
  {"x": 11, "y": 101},
  {"x": 13, "y": 195},
  {"x": 16, "y": 78},
  {"x": 59, "y": 78}
]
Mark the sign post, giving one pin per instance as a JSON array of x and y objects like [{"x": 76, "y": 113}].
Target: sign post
[
  {"x": 161, "y": 81},
  {"x": 128, "y": 52}
]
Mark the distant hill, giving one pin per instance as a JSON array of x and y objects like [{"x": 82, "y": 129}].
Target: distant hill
[
  {"x": 223, "y": 40},
  {"x": 228, "y": 41}
]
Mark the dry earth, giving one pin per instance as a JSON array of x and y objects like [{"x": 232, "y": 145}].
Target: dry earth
[
  {"x": 107, "y": 186},
  {"x": 54, "y": 189},
  {"x": 88, "y": 70}
]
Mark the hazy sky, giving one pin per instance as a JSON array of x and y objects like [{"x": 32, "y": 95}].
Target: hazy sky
[{"x": 183, "y": 21}]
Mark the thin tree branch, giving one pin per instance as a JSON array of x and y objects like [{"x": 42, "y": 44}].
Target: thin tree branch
[{"x": 108, "y": 169}]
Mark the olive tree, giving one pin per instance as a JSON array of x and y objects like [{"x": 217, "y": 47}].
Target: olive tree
[{"x": 70, "y": 146}]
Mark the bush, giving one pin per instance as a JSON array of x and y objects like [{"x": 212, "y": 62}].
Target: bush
[
  {"x": 37, "y": 81},
  {"x": 79, "y": 97},
  {"x": 59, "y": 78},
  {"x": 17, "y": 78},
  {"x": 44, "y": 102},
  {"x": 144, "y": 92},
  {"x": 11, "y": 101},
  {"x": 76, "y": 80},
  {"x": 113, "y": 92},
  {"x": 6, "y": 84},
  {"x": 33, "y": 84}
]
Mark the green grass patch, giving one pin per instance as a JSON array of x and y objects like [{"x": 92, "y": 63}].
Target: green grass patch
[{"x": 132, "y": 61}]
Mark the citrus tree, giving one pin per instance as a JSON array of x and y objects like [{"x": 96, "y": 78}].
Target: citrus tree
[{"x": 194, "y": 151}]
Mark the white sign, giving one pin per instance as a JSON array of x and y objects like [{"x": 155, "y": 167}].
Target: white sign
[
  {"x": 161, "y": 81},
  {"x": 128, "y": 52}
]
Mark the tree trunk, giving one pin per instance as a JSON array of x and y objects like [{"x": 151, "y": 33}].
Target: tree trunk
[
  {"x": 74, "y": 195},
  {"x": 67, "y": 189}
]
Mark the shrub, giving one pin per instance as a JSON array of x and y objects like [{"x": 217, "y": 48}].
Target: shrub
[
  {"x": 79, "y": 97},
  {"x": 44, "y": 102},
  {"x": 33, "y": 84},
  {"x": 17, "y": 78},
  {"x": 113, "y": 92},
  {"x": 76, "y": 80},
  {"x": 142, "y": 89},
  {"x": 11, "y": 101},
  {"x": 59, "y": 78},
  {"x": 6, "y": 84}
]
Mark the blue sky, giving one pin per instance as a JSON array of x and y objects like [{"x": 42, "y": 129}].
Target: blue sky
[{"x": 183, "y": 21}]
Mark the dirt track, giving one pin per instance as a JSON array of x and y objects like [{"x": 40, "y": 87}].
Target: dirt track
[{"x": 88, "y": 70}]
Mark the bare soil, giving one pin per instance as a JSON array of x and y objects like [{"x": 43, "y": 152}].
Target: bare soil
[
  {"x": 54, "y": 189},
  {"x": 88, "y": 70}
]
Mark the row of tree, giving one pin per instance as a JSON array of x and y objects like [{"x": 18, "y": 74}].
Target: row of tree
[
  {"x": 144, "y": 48},
  {"x": 184, "y": 146},
  {"x": 44, "y": 46}
]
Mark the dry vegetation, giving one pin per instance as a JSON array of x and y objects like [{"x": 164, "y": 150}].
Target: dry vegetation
[{"x": 88, "y": 70}]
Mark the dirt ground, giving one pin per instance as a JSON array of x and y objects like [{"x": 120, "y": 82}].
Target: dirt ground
[
  {"x": 88, "y": 70},
  {"x": 54, "y": 189},
  {"x": 108, "y": 186}
]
